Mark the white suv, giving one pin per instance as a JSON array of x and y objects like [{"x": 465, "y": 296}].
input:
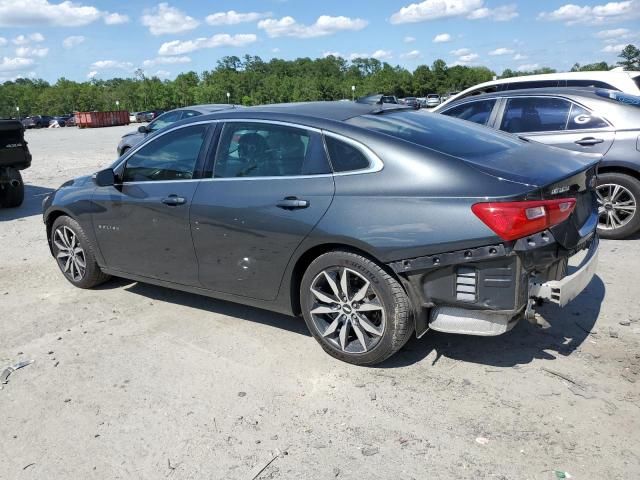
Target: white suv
[{"x": 627, "y": 82}]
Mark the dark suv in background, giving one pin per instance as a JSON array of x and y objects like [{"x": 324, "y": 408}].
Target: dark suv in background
[{"x": 37, "y": 121}]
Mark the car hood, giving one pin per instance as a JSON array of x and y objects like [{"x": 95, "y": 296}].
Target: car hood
[
  {"x": 534, "y": 164},
  {"x": 131, "y": 134}
]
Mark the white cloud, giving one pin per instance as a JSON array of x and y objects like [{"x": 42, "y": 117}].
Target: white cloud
[
  {"x": 27, "y": 39},
  {"x": 614, "y": 48},
  {"x": 503, "y": 13},
  {"x": 434, "y": 9},
  {"x": 412, "y": 55},
  {"x": 17, "y": 64},
  {"x": 460, "y": 51},
  {"x": 177, "y": 47},
  {"x": 92, "y": 74},
  {"x": 501, "y": 51},
  {"x": 324, "y": 25},
  {"x": 593, "y": 15},
  {"x": 165, "y": 19},
  {"x": 442, "y": 38},
  {"x": 520, "y": 56},
  {"x": 409, "y": 39},
  {"x": 378, "y": 55},
  {"x": 615, "y": 33},
  {"x": 233, "y": 18},
  {"x": 331, "y": 54},
  {"x": 470, "y": 57},
  {"x": 72, "y": 41},
  {"x": 28, "y": 13},
  {"x": 115, "y": 18},
  {"x": 162, "y": 74},
  {"x": 31, "y": 52},
  {"x": 166, "y": 61},
  {"x": 3, "y": 41},
  {"x": 437, "y": 9},
  {"x": 111, "y": 65},
  {"x": 528, "y": 66},
  {"x": 275, "y": 50}
]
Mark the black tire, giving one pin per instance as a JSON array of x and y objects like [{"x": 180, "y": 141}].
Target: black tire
[
  {"x": 397, "y": 322},
  {"x": 12, "y": 196},
  {"x": 632, "y": 221},
  {"x": 92, "y": 275}
]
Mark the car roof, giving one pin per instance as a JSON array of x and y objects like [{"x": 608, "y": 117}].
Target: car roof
[
  {"x": 206, "y": 107},
  {"x": 589, "y": 92}
]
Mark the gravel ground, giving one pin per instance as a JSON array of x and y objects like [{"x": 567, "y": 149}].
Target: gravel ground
[{"x": 137, "y": 381}]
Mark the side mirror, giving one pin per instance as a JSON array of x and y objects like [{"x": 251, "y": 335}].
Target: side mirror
[
  {"x": 143, "y": 129},
  {"x": 105, "y": 178}
]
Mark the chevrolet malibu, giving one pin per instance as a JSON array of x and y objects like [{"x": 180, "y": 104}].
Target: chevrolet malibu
[{"x": 373, "y": 222}]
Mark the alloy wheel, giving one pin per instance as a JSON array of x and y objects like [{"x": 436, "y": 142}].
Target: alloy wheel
[
  {"x": 346, "y": 310},
  {"x": 616, "y": 206},
  {"x": 70, "y": 256}
]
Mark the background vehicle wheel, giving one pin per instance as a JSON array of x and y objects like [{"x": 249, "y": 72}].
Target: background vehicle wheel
[
  {"x": 12, "y": 194},
  {"x": 618, "y": 197},
  {"x": 74, "y": 254},
  {"x": 356, "y": 311}
]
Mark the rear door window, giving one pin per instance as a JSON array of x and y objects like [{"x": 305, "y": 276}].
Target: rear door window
[
  {"x": 535, "y": 114},
  {"x": 477, "y": 112},
  {"x": 268, "y": 150}
]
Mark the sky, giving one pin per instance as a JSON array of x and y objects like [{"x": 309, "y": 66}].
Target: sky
[{"x": 101, "y": 39}]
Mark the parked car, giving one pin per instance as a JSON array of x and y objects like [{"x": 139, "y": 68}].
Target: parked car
[
  {"x": 131, "y": 139},
  {"x": 433, "y": 100},
  {"x": 14, "y": 156},
  {"x": 624, "y": 81},
  {"x": 36, "y": 121},
  {"x": 585, "y": 120},
  {"x": 62, "y": 120},
  {"x": 142, "y": 116},
  {"x": 133, "y": 117},
  {"x": 412, "y": 102},
  {"x": 378, "y": 99},
  {"x": 372, "y": 222}
]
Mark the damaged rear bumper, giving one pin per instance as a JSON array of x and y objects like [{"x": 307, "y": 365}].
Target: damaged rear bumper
[{"x": 486, "y": 291}]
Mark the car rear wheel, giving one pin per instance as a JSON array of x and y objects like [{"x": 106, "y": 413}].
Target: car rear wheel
[
  {"x": 12, "y": 191},
  {"x": 74, "y": 254},
  {"x": 618, "y": 196},
  {"x": 356, "y": 311}
]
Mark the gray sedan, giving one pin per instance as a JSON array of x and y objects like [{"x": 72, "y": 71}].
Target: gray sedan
[
  {"x": 132, "y": 139},
  {"x": 598, "y": 121}
]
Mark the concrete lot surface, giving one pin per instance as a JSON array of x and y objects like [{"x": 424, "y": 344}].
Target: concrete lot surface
[{"x": 136, "y": 381}]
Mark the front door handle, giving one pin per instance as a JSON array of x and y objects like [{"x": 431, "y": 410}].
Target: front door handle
[
  {"x": 585, "y": 142},
  {"x": 173, "y": 200},
  {"x": 292, "y": 203}
]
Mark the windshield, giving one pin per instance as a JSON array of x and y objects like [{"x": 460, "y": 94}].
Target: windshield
[{"x": 438, "y": 132}]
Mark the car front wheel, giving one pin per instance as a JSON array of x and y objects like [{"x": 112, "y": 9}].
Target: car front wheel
[
  {"x": 355, "y": 309},
  {"x": 74, "y": 254},
  {"x": 618, "y": 196}
]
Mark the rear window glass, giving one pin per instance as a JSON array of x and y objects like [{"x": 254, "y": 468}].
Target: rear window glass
[{"x": 439, "y": 132}]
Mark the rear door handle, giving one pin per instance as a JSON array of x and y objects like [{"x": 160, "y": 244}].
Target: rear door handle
[
  {"x": 585, "y": 142},
  {"x": 292, "y": 203},
  {"x": 173, "y": 200}
]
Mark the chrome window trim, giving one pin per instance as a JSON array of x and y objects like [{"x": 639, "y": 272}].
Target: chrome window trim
[{"x": 375, "y": 163}]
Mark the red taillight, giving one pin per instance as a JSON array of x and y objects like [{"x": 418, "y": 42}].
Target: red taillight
[{"x": 512, "y": 220}]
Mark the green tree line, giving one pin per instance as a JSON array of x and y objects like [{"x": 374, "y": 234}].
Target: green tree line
[{"x": 251, "y": 81}]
